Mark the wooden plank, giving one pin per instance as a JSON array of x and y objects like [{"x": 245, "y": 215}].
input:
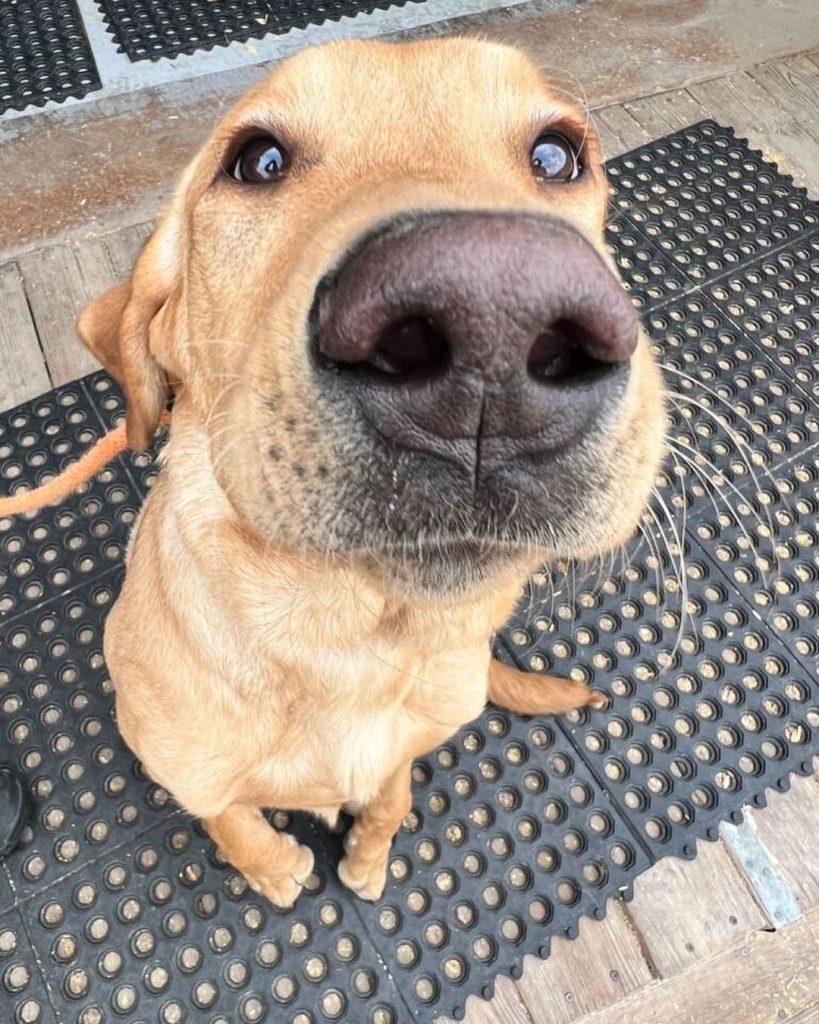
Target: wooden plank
[
  {"x": 740, "y": 101},
  {"x": 610, "y": 142},
  {"x": 96, "y": 267},
  {"x": 619, "y": 131},
  {"x": 770, "y": 978},
  {"x": 123, "y": 248},
  {"x": 23, "y": 372},
  {"x": 505, "y": 1007},
  {"x": 794, "y": 85},
  {"x": 737, "y": 100},
  {"x": 787, "y": 828},
  {"x": 56, "y": 293},
  {"x": 686, "y": 911},
  {"x": 624, "y": 50},
  {"x": 808, "y": 1017},
  {"x": 665, "y": 113},
  {"x": 603, "y": 965}
]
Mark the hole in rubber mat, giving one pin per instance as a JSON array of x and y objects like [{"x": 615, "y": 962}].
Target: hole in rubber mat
[{"x": 703, "y": 636}]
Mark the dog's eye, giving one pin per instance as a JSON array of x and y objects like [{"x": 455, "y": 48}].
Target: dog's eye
[
  {"x": 260, "y": 160},
  {"x": 555, "y": 158}
]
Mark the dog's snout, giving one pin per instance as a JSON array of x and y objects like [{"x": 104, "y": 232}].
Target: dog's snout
[{"x": 455, "y": 325}]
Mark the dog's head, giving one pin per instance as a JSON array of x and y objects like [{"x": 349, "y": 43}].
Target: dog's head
[{"x": 383, "y": 291}]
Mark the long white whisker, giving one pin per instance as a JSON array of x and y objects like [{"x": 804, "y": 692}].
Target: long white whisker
[
  {"x": 735, "y": 512},
  {"x": 740, "y": 443},
  {"x": 682, "y": 578}
]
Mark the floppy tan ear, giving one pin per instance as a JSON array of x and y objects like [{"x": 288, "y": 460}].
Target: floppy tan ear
[
  {"x": 128, "y": 330},
  {"x": 98, "y": 327}
]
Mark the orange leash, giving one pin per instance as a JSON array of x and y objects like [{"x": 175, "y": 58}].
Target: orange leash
[{"x": 103, "y": 451}]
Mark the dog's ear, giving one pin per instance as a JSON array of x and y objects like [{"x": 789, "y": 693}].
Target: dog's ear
[{"x": 129, "y": 329}]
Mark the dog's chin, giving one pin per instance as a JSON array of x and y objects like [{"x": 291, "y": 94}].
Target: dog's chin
[{"x": 447, "y": 569}]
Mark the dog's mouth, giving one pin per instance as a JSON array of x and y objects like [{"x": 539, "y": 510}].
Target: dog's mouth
[{"x": 424, "y": 521}]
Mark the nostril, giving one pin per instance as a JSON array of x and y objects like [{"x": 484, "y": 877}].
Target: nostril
[
  {"x": 412, "y": 348},
  {"x": 561, "y": 355}
]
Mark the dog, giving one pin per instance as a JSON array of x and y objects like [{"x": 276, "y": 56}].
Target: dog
[{"x": 404, "y": 375}]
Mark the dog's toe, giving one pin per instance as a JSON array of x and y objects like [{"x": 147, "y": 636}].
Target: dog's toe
[
  {"x": 283, "y": 884},
  {"x": 367, "y": 881}
]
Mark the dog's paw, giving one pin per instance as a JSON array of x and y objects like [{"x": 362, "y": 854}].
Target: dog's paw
[
  {"x": 366, "y": 879},
  {"x": 363, "y": 868},
  {"x": 282, "y": 882}
]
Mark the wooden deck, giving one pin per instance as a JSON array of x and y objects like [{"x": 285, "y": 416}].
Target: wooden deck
[{"x": 732, "y": 937}]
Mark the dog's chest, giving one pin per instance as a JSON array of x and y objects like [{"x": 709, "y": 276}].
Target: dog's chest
[{"x": 366, "y": 719}]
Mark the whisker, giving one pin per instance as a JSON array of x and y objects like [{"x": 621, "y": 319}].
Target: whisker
[
  {"x": 738, "y": 440},
  {"x": 654, "y": 550},
  {"x": 682, "y": 578},
  {"x": 764, "y": 529},
  {"x": 739, "y": 444}
]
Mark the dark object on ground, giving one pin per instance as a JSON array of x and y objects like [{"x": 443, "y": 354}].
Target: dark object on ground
[
  {"x": 519, "y": 827},
  {"x": 12, "y": 809}
]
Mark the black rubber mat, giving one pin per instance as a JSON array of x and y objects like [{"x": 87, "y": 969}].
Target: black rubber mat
[
  {"x": 44, "y": 53},
  {"x": 703, "y": 635},
  {"x": 149, "y": 29}
]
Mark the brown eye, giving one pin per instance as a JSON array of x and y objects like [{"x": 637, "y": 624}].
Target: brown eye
[
  {"x": 555, "y": 158},
  {"x": 260, "y": 161}
]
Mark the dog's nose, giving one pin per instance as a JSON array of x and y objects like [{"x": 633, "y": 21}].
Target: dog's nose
[{"x": 457, "y": 325}]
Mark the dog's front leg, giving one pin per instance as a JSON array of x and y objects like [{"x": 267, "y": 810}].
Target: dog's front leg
[
  {"x": 367, "y": 845},
  {"x": 274, "y": 863},
  {"x": 528, "y": 693}
]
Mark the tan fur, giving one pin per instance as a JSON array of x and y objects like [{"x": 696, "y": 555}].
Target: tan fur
[{"x": 249, "y": 670}]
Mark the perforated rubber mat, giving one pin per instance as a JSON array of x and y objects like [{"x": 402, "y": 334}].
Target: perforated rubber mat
[
  {"x": 44, "y": 53},
  {"x": 704, "y": 636},
  {"x": 148, "y": 29}
]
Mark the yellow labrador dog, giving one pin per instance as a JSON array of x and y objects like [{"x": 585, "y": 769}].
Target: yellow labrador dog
[{"x": 404, "y": 375}]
